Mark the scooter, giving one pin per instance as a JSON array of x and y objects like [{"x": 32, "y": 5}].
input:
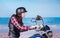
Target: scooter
[{"x": 44, "y": 32}]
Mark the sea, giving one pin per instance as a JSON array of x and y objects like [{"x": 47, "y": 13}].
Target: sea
[
  {"x": 50, "y": 21},
  {"x": 30, "y": 21}
]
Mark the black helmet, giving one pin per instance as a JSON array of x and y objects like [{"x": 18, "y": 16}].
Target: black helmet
[{"x": 20, "y": 10}]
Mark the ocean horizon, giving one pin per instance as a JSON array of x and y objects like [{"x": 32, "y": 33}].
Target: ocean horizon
[{"x": 27, "y": 21}]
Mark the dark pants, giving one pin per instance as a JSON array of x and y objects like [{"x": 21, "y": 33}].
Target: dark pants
[{"x": 12, "y": 35}]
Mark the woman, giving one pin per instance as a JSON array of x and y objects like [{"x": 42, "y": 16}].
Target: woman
[{"x": 16, "y": 24}]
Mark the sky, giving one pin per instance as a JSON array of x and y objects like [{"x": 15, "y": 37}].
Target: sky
[{"x": 44, "y": 8}]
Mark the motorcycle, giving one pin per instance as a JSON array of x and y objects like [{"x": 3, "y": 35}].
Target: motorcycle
[{"x": 44, "y": 32}]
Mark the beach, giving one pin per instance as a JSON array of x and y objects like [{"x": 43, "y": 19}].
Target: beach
[{"x": 27, "y": 34}]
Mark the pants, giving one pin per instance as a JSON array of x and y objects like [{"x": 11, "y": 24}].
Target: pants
[{"x": 12, "y": 35}]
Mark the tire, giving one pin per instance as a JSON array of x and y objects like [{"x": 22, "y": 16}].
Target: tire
[
  {"x": 50, "y": 34},
  {"x": 44, "y": 36}
]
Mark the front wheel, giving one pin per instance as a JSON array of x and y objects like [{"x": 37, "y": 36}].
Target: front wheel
[
  {"x": 44, "y": 36},
  {"x": 49, "y": 34}
]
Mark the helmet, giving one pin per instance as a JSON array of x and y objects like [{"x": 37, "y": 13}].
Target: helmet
[{"x": 20, "y": 10}]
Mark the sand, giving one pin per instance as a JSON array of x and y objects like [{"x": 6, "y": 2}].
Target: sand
[
  {"x": 4, "y": 33},
  {"x": 26, "y": 35}
]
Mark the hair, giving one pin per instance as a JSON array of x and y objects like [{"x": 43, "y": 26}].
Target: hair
[{"x": 19, "y": 19}]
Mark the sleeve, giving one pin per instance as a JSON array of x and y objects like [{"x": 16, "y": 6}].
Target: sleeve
[{"x": 17, "y": 25}]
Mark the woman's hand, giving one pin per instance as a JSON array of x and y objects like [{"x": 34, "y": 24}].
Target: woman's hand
[
  {"x": 33, "y": 27},
  {"x": 37, "y": 26}
]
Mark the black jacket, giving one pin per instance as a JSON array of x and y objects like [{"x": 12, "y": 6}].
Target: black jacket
[{"x": 12, "y": 28}]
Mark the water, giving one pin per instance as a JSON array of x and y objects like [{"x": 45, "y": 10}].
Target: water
[
  {"x": 27, "y": 21},
  {"x": 54, "y": 22}
]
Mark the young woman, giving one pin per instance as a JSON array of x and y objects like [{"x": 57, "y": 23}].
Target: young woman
[{"x": 16, "y": 24}]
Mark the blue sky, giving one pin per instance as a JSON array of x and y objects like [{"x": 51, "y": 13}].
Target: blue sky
[{"x": 45, "y": 8}]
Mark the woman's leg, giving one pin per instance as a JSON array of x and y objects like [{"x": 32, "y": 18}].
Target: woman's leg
[{"x": 13, "y": 36}]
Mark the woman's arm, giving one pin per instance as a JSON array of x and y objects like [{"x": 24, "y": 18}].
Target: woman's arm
[{"x": 17, "y": 25}]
